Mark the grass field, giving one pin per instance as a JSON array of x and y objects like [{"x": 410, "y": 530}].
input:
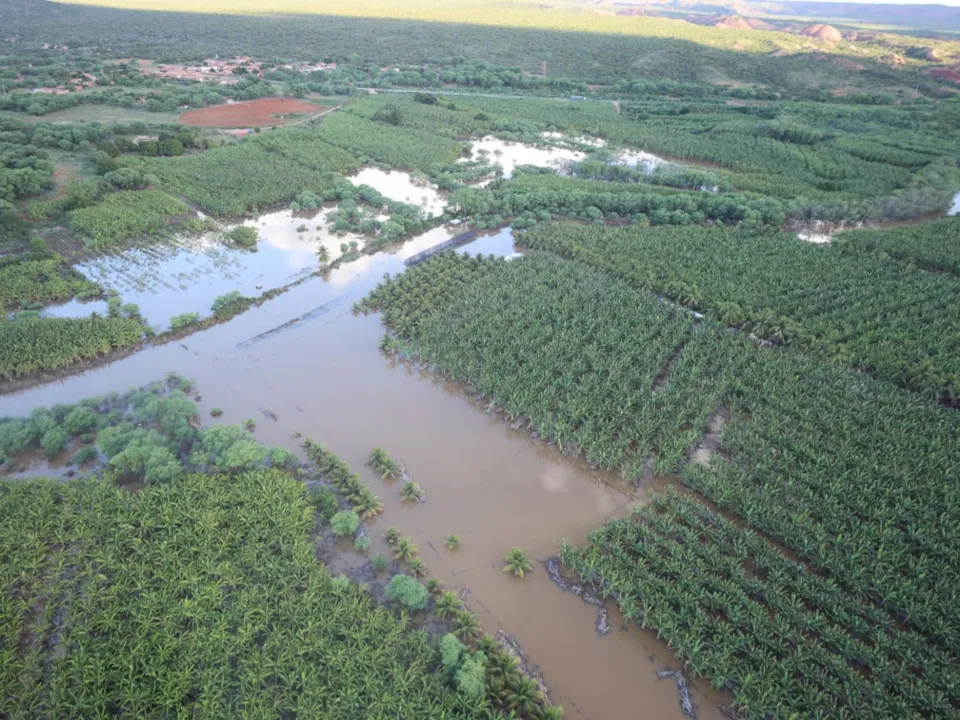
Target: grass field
[{"x": 99, "y": 114}]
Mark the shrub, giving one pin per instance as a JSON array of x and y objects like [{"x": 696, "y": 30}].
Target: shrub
[
  {"x": 216, "y": 412},
  {"x": 408, "y": 592},
  {"x": 53, "y": 441},
  {"x": 379, "y": 562},
  {"x": 85, "y": 455},
  {"x": 179, "y": 322},
  {"x": 325, "y": 501},
  {"x": 452, "y": 541},
  {"x": 345, "y": 522},
  {"x": 451, "y": 649},
  {"x": 341, "y": 582},
  {"x": 79, "y": 420},
  {"x": 282, "y": 458},
  {"x": 470, "y": 678},
  {"x": 241, "y": 236},
  {"x": 228, "y": 304},
  {"x": 362, "y": 544}
]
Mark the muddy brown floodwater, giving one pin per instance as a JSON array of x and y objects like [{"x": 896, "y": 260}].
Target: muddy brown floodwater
[{"x": 321, "y": 375}]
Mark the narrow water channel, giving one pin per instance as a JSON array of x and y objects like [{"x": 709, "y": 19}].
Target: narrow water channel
[{"x": 321, "y": 375}]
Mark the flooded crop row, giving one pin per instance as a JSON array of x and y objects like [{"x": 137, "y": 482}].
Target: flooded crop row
[{"x": 303, "y": 365}]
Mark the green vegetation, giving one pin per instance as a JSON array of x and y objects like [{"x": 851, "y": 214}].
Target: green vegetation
[
  {"x": 405, "y": 549},
  {"x": 382, "y": 463},
  {"x": 385, "y": 142},
  {"x": 517, "y": 562},
  {"x": 345, "y": 522},
  {"x": 546, "y": 341},
  {"x": 379, "y": 562},
  {"x": 242, "y": 236},
  {"x": 184, "y": 321},
  {"x": 585, "y": 387},
  {"x": 228, "y": 305},
  {"x": 357, "y": 493},
  {"x": 408, "y": 592},
  {"x": 452, "y": 541},
  {"x": 362, "y": 544},
  {"x": 32, "y": 345},
  {"x": 411, "y": 491},
  {"x": 24, "y": 280},
  {"x": 734, "y": 609},
  {"x": 325, "y": 501},
  {"x": 845, "y": 309},
  {"x": 125, "y": 215},
  {"x": 251, "y": 175},
  {"x": 932, "y": 245},
  {"x": 74, "y": 550}
]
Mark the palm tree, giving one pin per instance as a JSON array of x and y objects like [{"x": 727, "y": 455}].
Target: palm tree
[
  {"x": 517, "y": 562},
  {"x": 391, "y": 536},
  {"x": 405, "y": 549},
  {"x": 411, "y": 491},
  {"x": 446, "y": 605},
  {"x": 466, "y": 626},
  {"x": 452, "y": 542},
  {"x": 434, "y": 585},
  {"x": 418, "y": 568},
  {"x": 522, "y": 695},
  {"x": 323, "y": 255}
]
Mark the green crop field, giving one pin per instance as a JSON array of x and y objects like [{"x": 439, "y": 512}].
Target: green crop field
[
  {"x": 199, "y": 597},
  {"x": 546, "y": 340},
  {"x": 851, "y": 310}
]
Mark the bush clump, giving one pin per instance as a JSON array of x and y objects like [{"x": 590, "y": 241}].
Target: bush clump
[
  {"x": 408, "y": 592},
  {"x": 242, "y": 236},
  {"x": 345, "y": 523}
]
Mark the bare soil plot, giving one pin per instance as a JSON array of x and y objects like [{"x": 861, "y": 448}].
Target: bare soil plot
[{"x": 252, "y": 113}]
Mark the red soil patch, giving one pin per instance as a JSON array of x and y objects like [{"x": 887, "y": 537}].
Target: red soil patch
[
  {"x": 252, "y": 113},
  {"x": 946, "y": 74}
]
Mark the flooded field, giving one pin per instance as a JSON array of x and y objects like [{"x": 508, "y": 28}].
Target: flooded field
[
  {"x": 400, "y": 186},
  {"x": 303, "y": 363},
  {"x": 508, "y": 155},
  {"x": 558, "y": 155},
  {"x": 185, "y": 276}
]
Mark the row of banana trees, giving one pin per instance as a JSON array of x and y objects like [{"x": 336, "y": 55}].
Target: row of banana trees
[
  {"x": 31, "y": 345},
  {"x": 849, "y": 473},
  {"x": 877, "y": 317},
  {"x": 784, "y": 641},
  {"x": 200, "y": 597}
]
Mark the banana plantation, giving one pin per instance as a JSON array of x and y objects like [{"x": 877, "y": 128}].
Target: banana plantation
[
  {"x": 600, "y": 368},
  {"x": 109, "y": 613},
  {"x": 842, "y": 308},
  {"x": 681, "y": 301},
  {"x": 785, "y": 641}
]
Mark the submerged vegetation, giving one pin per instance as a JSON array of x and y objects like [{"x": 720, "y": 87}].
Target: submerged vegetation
[{"x": 125, "y": 215}]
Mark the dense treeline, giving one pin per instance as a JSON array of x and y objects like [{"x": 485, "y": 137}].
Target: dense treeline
[
  {"x": 590, "y": 47},
  {"x": 877, "y": 317}
]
